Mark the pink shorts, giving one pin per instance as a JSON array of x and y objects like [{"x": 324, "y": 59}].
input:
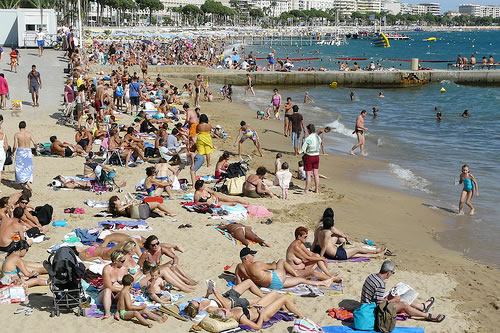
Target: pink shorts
[{"x": 311, "y": 162}]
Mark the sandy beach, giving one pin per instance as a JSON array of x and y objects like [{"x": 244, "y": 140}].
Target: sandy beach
[{"x": 465, "y": 291}]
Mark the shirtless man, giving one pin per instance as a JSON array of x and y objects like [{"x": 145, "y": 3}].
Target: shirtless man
[
  {"x": 10, "y": 229},
  {"x": 24, "y": 156},
  {"x": 303, "y": 260},
  {"x": 321, "y": 132},
  {"x": 359, "y": 130},
  {"x": 65, "y": 149},
  {"x": 272, "y": 275},
  {"x": 192, "y": 120},
  {"x": 197, "y": 89},
  {"x": 287, "y": 125},
  {"x": 112, "y": 275},
  {"x": 326, "y": 240}
]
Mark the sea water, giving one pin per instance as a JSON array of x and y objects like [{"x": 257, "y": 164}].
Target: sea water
[{"x": 423, "y": 156}]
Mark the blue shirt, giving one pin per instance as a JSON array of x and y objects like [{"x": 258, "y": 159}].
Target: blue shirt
[{"x": 134, "y": 89}]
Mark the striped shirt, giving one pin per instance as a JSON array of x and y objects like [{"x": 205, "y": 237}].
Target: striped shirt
[{"x": 373, "y": 289}]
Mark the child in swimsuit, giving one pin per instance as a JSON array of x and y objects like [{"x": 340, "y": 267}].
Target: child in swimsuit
[
  {"x": 470, "y": 184},
  {"x": 156, "y": 287},
  {"x": 127, "y": 311}
]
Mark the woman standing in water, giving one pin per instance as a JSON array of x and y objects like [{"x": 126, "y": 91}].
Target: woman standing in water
[{"x": 470, "y": 184}]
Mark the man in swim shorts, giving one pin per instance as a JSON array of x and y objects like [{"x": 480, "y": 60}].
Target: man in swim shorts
[
  {"x": 271, "y": 275},
  {"x": 192, "y": 119},
  {"x": 65, "y": 149},
  {"x": 197, "y": 89},
  {"x": 359, "y": 130}
]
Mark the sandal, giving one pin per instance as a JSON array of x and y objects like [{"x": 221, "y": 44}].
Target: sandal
[
  {"x": 21, "y": 310},
  {"x": 426, "y": 309},
  {"x": 439, "y": 318}
]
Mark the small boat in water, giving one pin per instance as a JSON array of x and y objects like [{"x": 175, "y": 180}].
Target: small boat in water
[
  {"x": 396, "y": 36},
  {"x": 430, "y": 39}
]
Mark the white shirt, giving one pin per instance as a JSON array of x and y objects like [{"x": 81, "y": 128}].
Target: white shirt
[
  {"x": 244, "y": 65},
  {"x": 40, "y": 36}
]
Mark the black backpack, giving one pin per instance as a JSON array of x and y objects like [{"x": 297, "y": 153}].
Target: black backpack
[{"x": 63, "y": 267}]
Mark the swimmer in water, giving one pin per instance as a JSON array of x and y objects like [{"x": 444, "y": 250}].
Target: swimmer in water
[
  {"x": 351, "y": 95},
  {"x": 470, "y": 185},
  {"x": 466, "y": 114},
  {"x": 375, "y": 111},
  {"x": 307, "y": 98},
  {"x": 380, "y": 95}
]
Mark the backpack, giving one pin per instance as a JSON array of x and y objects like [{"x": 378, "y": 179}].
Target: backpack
[
  {"x": 119, "y": 91},
  {"x": 63, "y": 267},
  {"x": 306, "y": 325},
  {"x": 385, "y": 317},
  {"x": 364, "y": 318}
]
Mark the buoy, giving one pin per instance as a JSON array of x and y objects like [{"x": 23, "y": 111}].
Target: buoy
[
  {"x": 333, "y": 85},
  {"x": 443, "y": 90}
]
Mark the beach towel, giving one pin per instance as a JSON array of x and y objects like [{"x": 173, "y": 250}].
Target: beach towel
[
  {"x": 24, "y": 165},
  {"x": 347, "y": 329},
  {"x": 258, "y": 211},
  {"x": 278, "y": 316},
  {"x": 350, "y": 260},
  {"x": 138, "y": 225},
  {"x": 96, "y": 204},
  {"x": 299, "y": 290},
  {"x": 341, "y": 314}
]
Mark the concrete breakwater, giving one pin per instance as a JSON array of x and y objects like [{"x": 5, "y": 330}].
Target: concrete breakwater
[{"x": 358, "y": 79}]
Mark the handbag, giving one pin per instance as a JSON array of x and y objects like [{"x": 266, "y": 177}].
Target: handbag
[
  {"x": 140, "y": 212},
  {"x": 364, "y": 317},
  {"x": 306, "y": 325},
  {"x": 235, "y": 185},
  {"x": 8, "y": 156}
]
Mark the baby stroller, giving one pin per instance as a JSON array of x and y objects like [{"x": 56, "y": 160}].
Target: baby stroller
[
  {"x": 234, "y": 170},
  {"x": 65, "y": 274},
  {"x": 104, "y": 181},
  {"x": 68, "y": 117}
]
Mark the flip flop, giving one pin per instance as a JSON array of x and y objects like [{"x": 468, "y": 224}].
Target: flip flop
[
  {"x": 437, "y": 319},
  {"x": 431, "y": 300},
  {"x": 21, "y": 310},
  {"x": 28, "y": 312}
]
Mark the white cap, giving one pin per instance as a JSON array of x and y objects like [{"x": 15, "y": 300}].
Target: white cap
[{"x": 218, "y": 126}]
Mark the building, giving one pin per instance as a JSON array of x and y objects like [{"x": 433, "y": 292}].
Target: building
[
  {"x": 369, "y": 6},
  {"x": 418, "y": 10},
  {"x": 280, "y": 6},
  {"x": 433, "y": 8},
  {"x": 345, "y": 7},
  {"x": 452, "y": 13},
  {"x": 18, "y": 26},
  {"x": 479, "y": 10},
  {"x": 391, "y": 6}
]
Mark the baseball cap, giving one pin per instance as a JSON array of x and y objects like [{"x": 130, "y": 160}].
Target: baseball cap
[{"x": 246, "y": 251}]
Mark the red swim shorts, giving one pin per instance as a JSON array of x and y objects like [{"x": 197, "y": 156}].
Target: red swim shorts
[{"x": 311, "y": 162}]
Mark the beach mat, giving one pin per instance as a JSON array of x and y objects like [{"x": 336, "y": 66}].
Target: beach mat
[
  {"x": 350, "y": 260},
  {"x": 347, "y": 329}
]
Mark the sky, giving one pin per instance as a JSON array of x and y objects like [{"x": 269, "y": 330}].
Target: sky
[{"x": 447, "y": 5}]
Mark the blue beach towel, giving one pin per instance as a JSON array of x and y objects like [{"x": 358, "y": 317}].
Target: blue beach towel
[{"x": 347, "y": 329}]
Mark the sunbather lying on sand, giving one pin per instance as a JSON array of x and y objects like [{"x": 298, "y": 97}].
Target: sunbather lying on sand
[
  {"x": 243, "y": 233},
  {"x": 204, "y": 195}
]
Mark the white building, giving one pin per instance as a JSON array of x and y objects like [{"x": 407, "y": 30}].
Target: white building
[
  {"x": 280, "y": 7},
  {"x": 418, "y": 10},
  {"x": 18, "y": 27},
  {"x": 452, "y": 13},
  {"x": 479, "y": 10},
  {"x": 345, "y": 7},
  {"x": 391, "y": 6},
  {"x": 433, "y": 8},
  {"x": 368, "y": 6}
]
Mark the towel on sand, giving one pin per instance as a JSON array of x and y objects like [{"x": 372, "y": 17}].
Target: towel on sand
[
  {"x": 279, "y": 316},
  {"x": 347, "y": 329},
  {"x": 299, "y": 290},
  {"x": 350, "y": 260}
]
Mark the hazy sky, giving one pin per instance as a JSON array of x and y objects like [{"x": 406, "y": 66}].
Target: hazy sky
[{"x": 447, "y": 5}]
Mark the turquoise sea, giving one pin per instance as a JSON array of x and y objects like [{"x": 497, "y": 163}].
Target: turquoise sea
[{"x": 423, "y": 156}]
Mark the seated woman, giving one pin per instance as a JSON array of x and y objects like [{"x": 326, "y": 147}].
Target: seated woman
[
  {"x": 116, "y": 207},
  {"x": 134, "y": 141},
  {"x": 255, "y": 315},
  {"x": 154, "y": 186},
  {"x": 243, "y": 233},
  {"x": 14, "y": 267},
  {"x": 146, "y": 126},
  {"x": 170, "y": 271},
  {"x": 254, "y": 187},
  {"x": 222, "y": 164},
  {"x": 112, "y": 275},
  {"x": 204, "y": 195}
]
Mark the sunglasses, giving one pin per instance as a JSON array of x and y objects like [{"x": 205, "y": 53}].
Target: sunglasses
[
  {"x": 122, "y": 261},
  {"x": 155, "y": 244},
  {"x": 24, "y": 202}
]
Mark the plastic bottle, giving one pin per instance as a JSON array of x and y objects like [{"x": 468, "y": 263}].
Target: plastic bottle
[{"x": 368, "y": 242}]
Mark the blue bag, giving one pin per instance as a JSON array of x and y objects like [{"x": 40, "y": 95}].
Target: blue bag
[{"x": 364, "y": 317}]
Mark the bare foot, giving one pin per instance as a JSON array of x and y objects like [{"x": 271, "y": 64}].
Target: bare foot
[
  {"x": 150, "y": 325},
  {"x": 471, "y": 211},
  {"x": 364, "y": 154},
  {"x": 162, "y": 319},
  {"x": 106, "y": 316},
  {"x": 460, "y": 212},
  {"x": 328, "y": 283},
  {"x": 172, "y": 214},
  {"x": 351, "y": 152}
]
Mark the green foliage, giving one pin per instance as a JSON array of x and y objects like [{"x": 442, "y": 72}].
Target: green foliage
[
  {"x": 107, "y": 32},
  {"x": 216, "y": 8},
  {"x": 256, "y": 12}
]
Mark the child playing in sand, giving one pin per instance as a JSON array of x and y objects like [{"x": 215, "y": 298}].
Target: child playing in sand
[
  {"x": 157, "y": 287},
  {"x": 127, "y": 311},
  {"x": 269, "y": 111},
  {"x": 301, "y": 173},
  {"x": 260, "y": 114},
  {"x": 283, "y": 177},
  {"x": 470, "y": 184},
  {"x": 277, "y": 163}
]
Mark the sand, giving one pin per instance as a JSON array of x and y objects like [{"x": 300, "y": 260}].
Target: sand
[{"x": 464, "y": 290}]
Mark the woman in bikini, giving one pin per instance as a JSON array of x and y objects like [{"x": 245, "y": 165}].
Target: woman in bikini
[
  {"x": 155, "y": 187},
  {"x": 254, "y": 188},
  {"x": 97, "y": 251},
  {"x": 243, "y": 233},
  {"x": 222, "y": 164},
  {"x": 14, "y": 267},
  {"x": 204, "y": 195},
  {"x": 116, "y": 207},
  {"x": 170, "y": 271}
]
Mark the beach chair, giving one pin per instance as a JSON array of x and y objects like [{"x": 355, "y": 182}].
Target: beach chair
[{"x": 110, "y": 154}]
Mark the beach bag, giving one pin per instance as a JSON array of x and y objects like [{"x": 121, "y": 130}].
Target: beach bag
[
  {"x": 306, "y": 325},
  {"x": 214, "y": 325},
  {"x": 235, "y": 185},
  {"x": 8, "y": 156},
  {"x": 385, "y": 317},
  {"x": 364, "y": 317},
  {"x": 140, "y": 212},
  {"x": 149, "y": 152}
]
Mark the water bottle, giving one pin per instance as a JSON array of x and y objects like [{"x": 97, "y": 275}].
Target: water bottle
[{"x": 368, "y": 242}]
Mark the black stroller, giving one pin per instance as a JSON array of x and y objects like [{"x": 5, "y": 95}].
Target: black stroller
[
  {"x": 65, "y": 274},
  {"x": 234, "y": 170}
]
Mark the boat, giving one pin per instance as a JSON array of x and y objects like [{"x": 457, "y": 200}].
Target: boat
[
  {"x": 396, "y": 36},
  {"x": 337, "y": 41},
  {"x": 381, "y": 41},
  {"x": 430, "y": 39}
]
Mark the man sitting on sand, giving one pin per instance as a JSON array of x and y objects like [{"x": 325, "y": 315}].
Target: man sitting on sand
[
  {"x": 65, "y": 149},
  {"x": 11, "y": 230},
  {"x": 272, "y": 275},
  {"x": 304, "y": 261},
  {"x": 325, "y": 244},
  {"x": 374, "y": 291},
  {"x": 127, "y": 311}
]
